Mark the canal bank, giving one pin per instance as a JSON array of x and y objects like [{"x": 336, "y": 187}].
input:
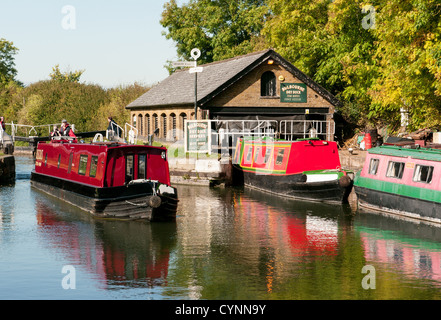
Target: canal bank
[
  {"x": 7, "y": 169},
  {"x": 213, "y": 172}
]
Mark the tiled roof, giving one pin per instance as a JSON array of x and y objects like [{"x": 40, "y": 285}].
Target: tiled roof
[{"x": 178, "y": 88}]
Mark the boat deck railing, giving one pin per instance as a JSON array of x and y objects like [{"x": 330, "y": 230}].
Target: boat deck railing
[
  {"x": 118, "y": 134},
  {"x": 295, "y": 129}
]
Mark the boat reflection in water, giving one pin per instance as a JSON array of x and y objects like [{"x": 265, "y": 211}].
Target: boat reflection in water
[
  {"x": 410, "y": 247},
  {"x": 239, "y": 243},
  {"x": 309, "y": 228},
  {"x": 116, "y": 253}
]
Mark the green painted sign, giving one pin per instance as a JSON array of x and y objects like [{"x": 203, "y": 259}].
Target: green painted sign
[
  {"x": 293, "y": 92},
  {"x": 197, "y": 136}
]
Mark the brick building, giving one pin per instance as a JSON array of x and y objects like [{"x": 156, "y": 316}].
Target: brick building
[{"x": 260, "y": 85}]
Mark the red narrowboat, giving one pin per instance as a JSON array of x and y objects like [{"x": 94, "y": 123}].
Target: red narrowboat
[
  {"x": 107, "y": 179},
  {"x": 305, "y": 169}
]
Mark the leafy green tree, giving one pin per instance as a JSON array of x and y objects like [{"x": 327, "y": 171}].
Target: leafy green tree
[
  {"x": 409, "y": 60},
  {"x": 219, "y": 28},
  {"x": 7, "y": 64},
  {"x": 50, "y": 101},
  {"x": 115, "y": 107},
  {"x": 327, "y": 41},
  {"x": 67, "y": 76}
]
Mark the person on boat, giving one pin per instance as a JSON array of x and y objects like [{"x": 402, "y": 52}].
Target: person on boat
[
  {"x": 113, "y": 127},
  {"x": 56, "y": 132},
  {"x": 2, "y": 123},
  {"x": 66, "y": 130}
]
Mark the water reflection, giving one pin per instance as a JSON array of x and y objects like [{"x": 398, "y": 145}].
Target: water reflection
[
  {"x": 249, "y": 244},
  {"x": 410, "y": 247},
  {"x": 226, "y": 243},
  {"x": 118, "y": 253}
]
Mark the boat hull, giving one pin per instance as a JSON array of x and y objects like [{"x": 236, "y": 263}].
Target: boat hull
[
  {"x": 398, "y": 204},
  {"x": 131, "y": 202},
  {"x": 295, "y": 187}
]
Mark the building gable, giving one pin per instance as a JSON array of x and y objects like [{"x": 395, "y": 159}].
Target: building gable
[{"x": 217, "y": 77}]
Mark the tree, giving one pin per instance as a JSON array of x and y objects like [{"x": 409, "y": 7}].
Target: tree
[
  {"x": 118, "y": 99},
  {"x": 327, "y": 41},
  {"x": 219, "y": 28},
  {"x": 7, "y": 64},
  {"x": 48, "y": 102},
  {"x": 409, "y": 60},
  {"x": 67, "y": 76}
]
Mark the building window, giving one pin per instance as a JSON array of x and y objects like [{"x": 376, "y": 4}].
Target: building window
[
  {"x": 423, "y": 174},
  {"x": 164, "y": 125},
  {"x": 373, "y": 166},
  {"x": 155, "y": 121},
  {"x": 268, "y": 84},
  {"x": 147, "y": 124},
  {"x": 395, "y": 169},
  {"x": 141, "y": 123},
  {"x": 173, "y": 123},
  {"x": 183, "y": 117}
]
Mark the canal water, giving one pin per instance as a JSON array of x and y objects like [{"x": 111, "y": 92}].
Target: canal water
[{"x": 226, "y": 243}]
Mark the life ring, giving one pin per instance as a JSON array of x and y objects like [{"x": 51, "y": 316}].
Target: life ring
[{"x": 154, "y": 201}]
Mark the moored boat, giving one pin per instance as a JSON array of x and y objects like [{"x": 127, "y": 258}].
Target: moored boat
[
  {"x": 402, "y": 180},
  {"x": 305, "y": 169},
  {"x": 107, "y": 179}
]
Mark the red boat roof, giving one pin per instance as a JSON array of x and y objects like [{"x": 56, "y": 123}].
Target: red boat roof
[
  {"x": 102, "y": 164},
  {"x": 280, "y": 157}
]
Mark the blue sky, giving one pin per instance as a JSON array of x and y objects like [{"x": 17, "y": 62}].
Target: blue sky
[{"x": 115, "y": 42}]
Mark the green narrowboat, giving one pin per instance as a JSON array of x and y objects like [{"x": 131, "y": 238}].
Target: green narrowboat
[{"x": 401, "y": 180}]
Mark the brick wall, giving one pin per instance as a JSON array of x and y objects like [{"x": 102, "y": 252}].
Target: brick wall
[{"x": 246, "y": 92}]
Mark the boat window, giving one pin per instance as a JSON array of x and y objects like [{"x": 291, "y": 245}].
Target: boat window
[
  {"x": 373, "y": 166},
  {"x": 249, "y": 155},
  {"x": 83, "y": 164},
  {"x": 142, "y": 166},
  {"x": 93, "y": 166},
  {"x": 256, "y": 154},
  {"x": 70, "y": 162},
  {"x": 59, "y": 160},
  {"x": 129, "y": 168},
  {"x": 279, "y": 158},
  {"x": 395, "y": 169},
  {"x": 423, "y": 173},
  {"x": 267, "y": 155}
]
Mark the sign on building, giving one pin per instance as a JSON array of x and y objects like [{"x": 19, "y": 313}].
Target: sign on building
[
  {"x": 293, "y": 92},
  {"x": 197, "y": 136}
]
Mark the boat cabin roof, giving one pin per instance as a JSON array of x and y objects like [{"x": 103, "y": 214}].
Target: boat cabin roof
[
  {"x": 102, "y": 164},
  {"x": 405, "y": 152},
  {"x": 280, "y": 157}
]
